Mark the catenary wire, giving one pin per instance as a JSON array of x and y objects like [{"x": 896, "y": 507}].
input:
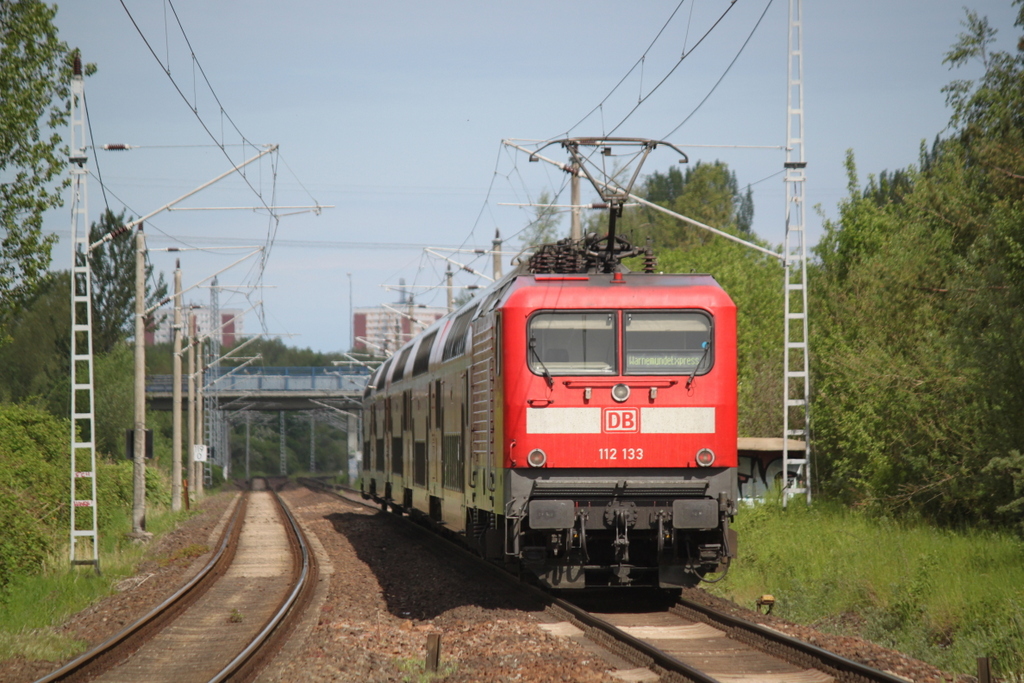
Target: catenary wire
[
  {"x": 724, "y": 74},
  {"x": 600, "y": 104},
  {"x": 673, "y": 69},
  {"x": 92, "y": 141},
  {"x": 192, "y": 107}
]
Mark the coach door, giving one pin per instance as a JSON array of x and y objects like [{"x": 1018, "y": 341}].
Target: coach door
[{"x": 432, "y": 438}]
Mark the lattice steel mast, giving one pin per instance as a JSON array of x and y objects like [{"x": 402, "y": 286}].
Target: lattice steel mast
[
  {"x": 211, "y": 412},
  {"x": 796, "y": 377},
  {"x": 83, "y": 419}
]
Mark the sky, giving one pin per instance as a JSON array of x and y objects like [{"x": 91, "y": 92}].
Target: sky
[{"x": 393, "y": 114}]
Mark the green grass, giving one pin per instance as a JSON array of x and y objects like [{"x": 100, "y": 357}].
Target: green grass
[
  {"x": 34, "y": 604},
  {"x": 415, "y": 670},
  {"x": 943, "y": 596}
]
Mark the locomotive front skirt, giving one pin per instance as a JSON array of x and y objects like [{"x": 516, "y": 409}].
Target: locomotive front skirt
[{"x": 581, "y": 427}]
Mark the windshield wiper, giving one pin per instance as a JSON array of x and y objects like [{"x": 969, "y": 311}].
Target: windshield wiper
[
  {"x": 707, "y": 347},
  {"x": 546, "y": 374}
]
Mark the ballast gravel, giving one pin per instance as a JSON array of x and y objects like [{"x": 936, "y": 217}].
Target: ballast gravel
[{"x": 383, "y": 589}]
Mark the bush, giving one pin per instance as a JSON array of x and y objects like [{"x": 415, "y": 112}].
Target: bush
[{"x": 35, "y": 490}]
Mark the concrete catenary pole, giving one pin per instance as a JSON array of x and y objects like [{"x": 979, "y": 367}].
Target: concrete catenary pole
[
  {"x": 176, "y": 396},
  {"x": 496, "y": 249},
  {"x": 139, "y": 478},
  {"x": 248, "y": 423},
  {"x": 191, "y": 399},
  {"x": 284, "y": 457},
  {"x": 198, "y": 473},
  {"x": 448, "y": 282},
  {"x": 575, "y": 231},
  {"x": 351, "y": 317},
  {"x": 312, "y": 443}
]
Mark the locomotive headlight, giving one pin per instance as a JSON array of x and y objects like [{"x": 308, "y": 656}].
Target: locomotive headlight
[
  {"x": 620, "y": 392},
  {"x": 537, "y": 458},
  {"x": 705, "y": 457}
]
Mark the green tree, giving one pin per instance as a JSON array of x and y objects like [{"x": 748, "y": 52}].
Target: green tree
[
  {"x": 113, "y": 285},
  {"x": 893, "y": 421},
  {"x": 545, "y": 227},
  {"x": 754, "y": 281},
  {"x": 114, "y": 374},
  {"x": 918, "y": 337},
  {"x": 273, "y": 353},
  {"x": 37, "y": 357},
  {"x": 35, "y": 72},
  {"x": 987, "y": 280},
  {"x": 34, "y": 366},
  {"x": 706, "y": 192}
]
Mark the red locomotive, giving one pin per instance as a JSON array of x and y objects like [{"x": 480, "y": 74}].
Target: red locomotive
[
  {"x": 581, "y": 426},
  {"x": 577, "y": 421}
]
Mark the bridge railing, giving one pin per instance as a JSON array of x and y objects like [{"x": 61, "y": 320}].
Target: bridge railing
[{"x": 348, "y": 380}]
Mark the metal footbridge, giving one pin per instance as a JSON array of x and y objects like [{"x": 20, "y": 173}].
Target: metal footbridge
[{"x": 270, "y": 388}]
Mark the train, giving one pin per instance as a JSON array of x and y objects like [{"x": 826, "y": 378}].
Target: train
[{"x": 577, "y": 422}]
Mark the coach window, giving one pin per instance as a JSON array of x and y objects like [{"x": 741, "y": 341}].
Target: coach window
[
  {"x": 403, "y": 359},
  {"x": 667, "y": 342},
  {"x": 572, "y": 343}
]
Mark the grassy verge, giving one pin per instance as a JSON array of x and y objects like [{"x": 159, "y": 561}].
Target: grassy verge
[
  {"x": 945, "y": 597},
  {"x": 33, "y": 604}
]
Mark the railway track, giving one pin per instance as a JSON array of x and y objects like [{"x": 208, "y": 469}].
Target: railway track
[
  {"x": 229, "y": 620},
  {"x": 682, "y": 640}
]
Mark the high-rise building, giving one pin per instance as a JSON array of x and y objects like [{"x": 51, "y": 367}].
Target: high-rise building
[
  {"x": 232, "y": 327},
  {"x": 384, "y": 329}
]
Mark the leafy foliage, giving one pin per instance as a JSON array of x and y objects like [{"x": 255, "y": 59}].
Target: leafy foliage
[
  {"x": 754, "y": 281},
  {"x": 113, "y": 288},
  {"x": 546, "y": 224},
  {"x": 706, "y": 192},
  {"x": 34, "y": 366},
  {"x": 330, "y": 447},
  {"x": 115, "y": 398},
  {"x": 35, "y": 491},
  {"x": 37, "y": 357},
  {"x": 273, "y": 353},
  {"x": 916, "y": 324},
  {"x": 34, "y": 103}
]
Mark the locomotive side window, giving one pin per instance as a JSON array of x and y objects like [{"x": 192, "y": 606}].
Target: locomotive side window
[
  {"x": 572, "y": 343},
  {"x": 667, "y": 342}
]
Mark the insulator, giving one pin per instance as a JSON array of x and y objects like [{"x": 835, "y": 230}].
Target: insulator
[
  {"x": 562, "y": 259},
  {"x": 542, "y": 261},
  {"x": 549, "y": 261},
  {"x": 650, "y": 260}
]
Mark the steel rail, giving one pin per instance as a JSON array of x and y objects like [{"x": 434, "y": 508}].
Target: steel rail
[
  {"x": 135, "y": 635},
  {"x": 842, "y": 669},
  {"x": 760, "y": 637},
  {"x": 239, "y": 667},
  {"x": 645, "y": 650},
  {"x": 658, "y": 657}
]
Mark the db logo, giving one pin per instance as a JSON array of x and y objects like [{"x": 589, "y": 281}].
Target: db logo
[{"x": 621, "y": 419}]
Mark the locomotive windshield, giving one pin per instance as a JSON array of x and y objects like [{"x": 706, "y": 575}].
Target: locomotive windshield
[
  {"x": 667, "y": 342},
  {"x": 573, "y": 343}
]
